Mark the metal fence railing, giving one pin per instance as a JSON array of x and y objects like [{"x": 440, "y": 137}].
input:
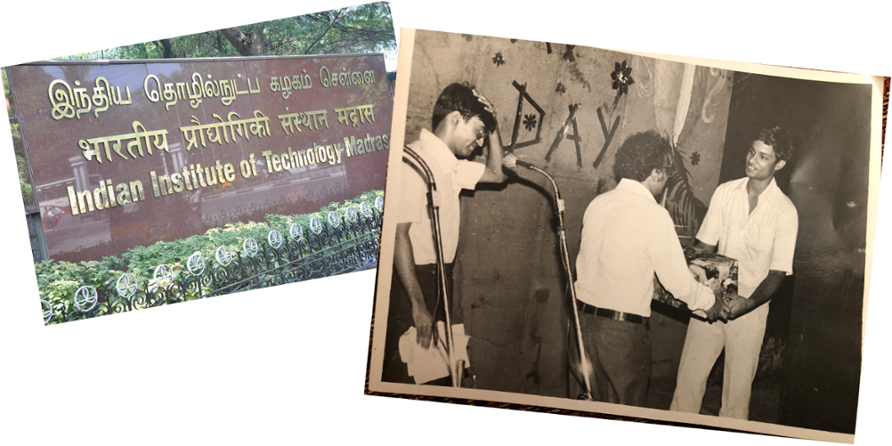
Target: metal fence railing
[{"x": 336, "y": 245}]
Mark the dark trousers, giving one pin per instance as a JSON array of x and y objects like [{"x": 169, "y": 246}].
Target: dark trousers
[
  {"x": 620, "y": 354},
  {"x": 399, "y": 318}
]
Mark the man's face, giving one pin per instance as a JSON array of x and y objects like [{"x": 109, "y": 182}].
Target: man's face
[
  {"x": 761, "y": 161},
  {"x": 467, "y": 136}
]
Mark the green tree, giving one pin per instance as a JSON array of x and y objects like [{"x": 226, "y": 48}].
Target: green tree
[
  {"x": 357, "y": 29},
  {"x": 18, "y": 146}
]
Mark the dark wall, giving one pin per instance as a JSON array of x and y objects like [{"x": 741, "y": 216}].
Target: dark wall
[{"x": 817, "y": 315}]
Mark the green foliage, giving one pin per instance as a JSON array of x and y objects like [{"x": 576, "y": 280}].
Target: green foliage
[
  {"x": 357, "y": 29},
  {"x": 57, "y": 281},
  {"x": 84, "y": 56},
  {"x": 27, "y": 192},
  {"x": 18, "y": 146},
  {"x": 6, "y": 91}
]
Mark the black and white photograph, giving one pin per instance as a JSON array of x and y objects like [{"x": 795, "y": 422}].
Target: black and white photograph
[{"x": 625, "y": 233}]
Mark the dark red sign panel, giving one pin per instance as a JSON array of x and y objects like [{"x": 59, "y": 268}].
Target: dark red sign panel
[{"x": 127, "y": 154}]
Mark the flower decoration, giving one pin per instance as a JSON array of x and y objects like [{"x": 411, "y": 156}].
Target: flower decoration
[
  {"x": 695, "y": 158},
  {"x": 529, "y": 121},
  {"x": 622, "y": 77},
  {"x": 498, "y": 59},
  {"x": 561, "y": 88}
]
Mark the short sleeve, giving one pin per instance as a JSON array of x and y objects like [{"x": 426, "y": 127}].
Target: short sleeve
[
  {"x": 467, "y": 174},
  {"x": 711, "y": 229},
  {"x": 413, "y": 198},
  {"x": 785, "y": 241}
]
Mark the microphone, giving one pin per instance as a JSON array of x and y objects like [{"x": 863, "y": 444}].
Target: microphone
[{"x": 511, "y": 162}]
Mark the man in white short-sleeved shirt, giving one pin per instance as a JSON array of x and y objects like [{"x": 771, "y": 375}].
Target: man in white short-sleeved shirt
[
  {"x": 626, "y": 238},
  {"x": 463, "y": 120},
  {"x": 750, "y": 220}
]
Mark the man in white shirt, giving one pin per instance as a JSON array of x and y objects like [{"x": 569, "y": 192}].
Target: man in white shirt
[
  {"x": 750, "y": 220},
  {"x": 626, "y": 238},
  {"x": 463, "y": 120}
]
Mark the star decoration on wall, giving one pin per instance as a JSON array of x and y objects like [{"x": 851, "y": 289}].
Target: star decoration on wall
[
  {"x": 498, "y": 59},
  {"x": 695, "y": 158},
  {"x": 561, "y": 88},
  {"x": 529, "y": 121}
]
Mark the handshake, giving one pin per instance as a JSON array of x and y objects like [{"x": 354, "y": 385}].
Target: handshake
[{"x": 728, "y": 306}]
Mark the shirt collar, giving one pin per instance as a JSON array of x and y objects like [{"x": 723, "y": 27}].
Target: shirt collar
[
  {"x": 634, "y": 187},
  {"x": 769, "y": 193},
  {"x": 437, "y": 150}
]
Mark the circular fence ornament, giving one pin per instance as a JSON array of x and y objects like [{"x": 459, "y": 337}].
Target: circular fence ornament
[
  {"x": 126, "y": 285},
  {"x": 274, "y": 238},
  {"x": 297, "y": 232},
  {"x": 316, "y": 225},
  {"x": 351, "y": 214},
  {"x": 250, "y": 247},
  {"x": 195, "y": 264},
  {"x": 379, "y": 204},
  {"x": 85, "y": 298},
  {"x": 334, "y": 219},
  {"x": 365, "y": 209},
  {"x": 47, "y": 311},
  {"x": 224, "y": 255},
  {"x": 163, "y": 274}
]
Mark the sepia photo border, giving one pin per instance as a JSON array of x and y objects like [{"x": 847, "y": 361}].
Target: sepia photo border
[{"x": 375, "y": 385}]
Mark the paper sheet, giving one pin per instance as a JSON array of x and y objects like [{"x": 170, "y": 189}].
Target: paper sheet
[{"x": 426, "y": 365}]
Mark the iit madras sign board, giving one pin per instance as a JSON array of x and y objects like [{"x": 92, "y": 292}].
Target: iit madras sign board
[{"x": 131, "y": 153}]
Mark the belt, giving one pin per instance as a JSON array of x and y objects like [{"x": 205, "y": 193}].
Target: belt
[{"x": 610, "y": 314}]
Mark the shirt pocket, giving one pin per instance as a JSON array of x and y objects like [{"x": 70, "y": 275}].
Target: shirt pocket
[{"x": 759, "y": 239}]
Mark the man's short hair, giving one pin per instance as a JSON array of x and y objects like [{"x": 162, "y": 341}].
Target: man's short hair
[
  {"x": 639, "y": 155},
  {"x": 459, "y": 97},
  {"x": 779, "y": 140}
]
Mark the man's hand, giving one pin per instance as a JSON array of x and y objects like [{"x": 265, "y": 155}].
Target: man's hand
[
  {"x": 509, "y": 161},
  {"x": 495, "y": 157},
  {"x": 423, "y": 326},
  {"x": 737, "y": 306},
  {"x": 717, "y": 311},
  {"x": 698, "y": 248},
  {"x": 486, "y": 104}
]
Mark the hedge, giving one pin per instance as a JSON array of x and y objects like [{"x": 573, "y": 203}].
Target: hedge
[{"x": 57, "y": 281}]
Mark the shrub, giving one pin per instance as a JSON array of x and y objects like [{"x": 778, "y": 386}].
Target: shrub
[{"x": 58, "y": 281}]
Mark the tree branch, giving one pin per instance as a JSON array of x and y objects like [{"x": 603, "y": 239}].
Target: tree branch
[
  {"x": 238, "y": 40},
  {"x": 330, "y": 25},
  {"x": 259, "y": 44},
  {"x": 218, "y": 43},
  {"x": 166, "y": 50}
]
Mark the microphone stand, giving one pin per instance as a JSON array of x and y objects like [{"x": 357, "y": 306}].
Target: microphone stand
[
  {"x": 565, "y": 255},
  {"x": 433, "y": 204}
]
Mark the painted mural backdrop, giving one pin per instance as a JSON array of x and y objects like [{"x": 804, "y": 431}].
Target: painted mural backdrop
[
  {"x": 567, "y": 109},
  {"x": 575, "y": 105}
]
